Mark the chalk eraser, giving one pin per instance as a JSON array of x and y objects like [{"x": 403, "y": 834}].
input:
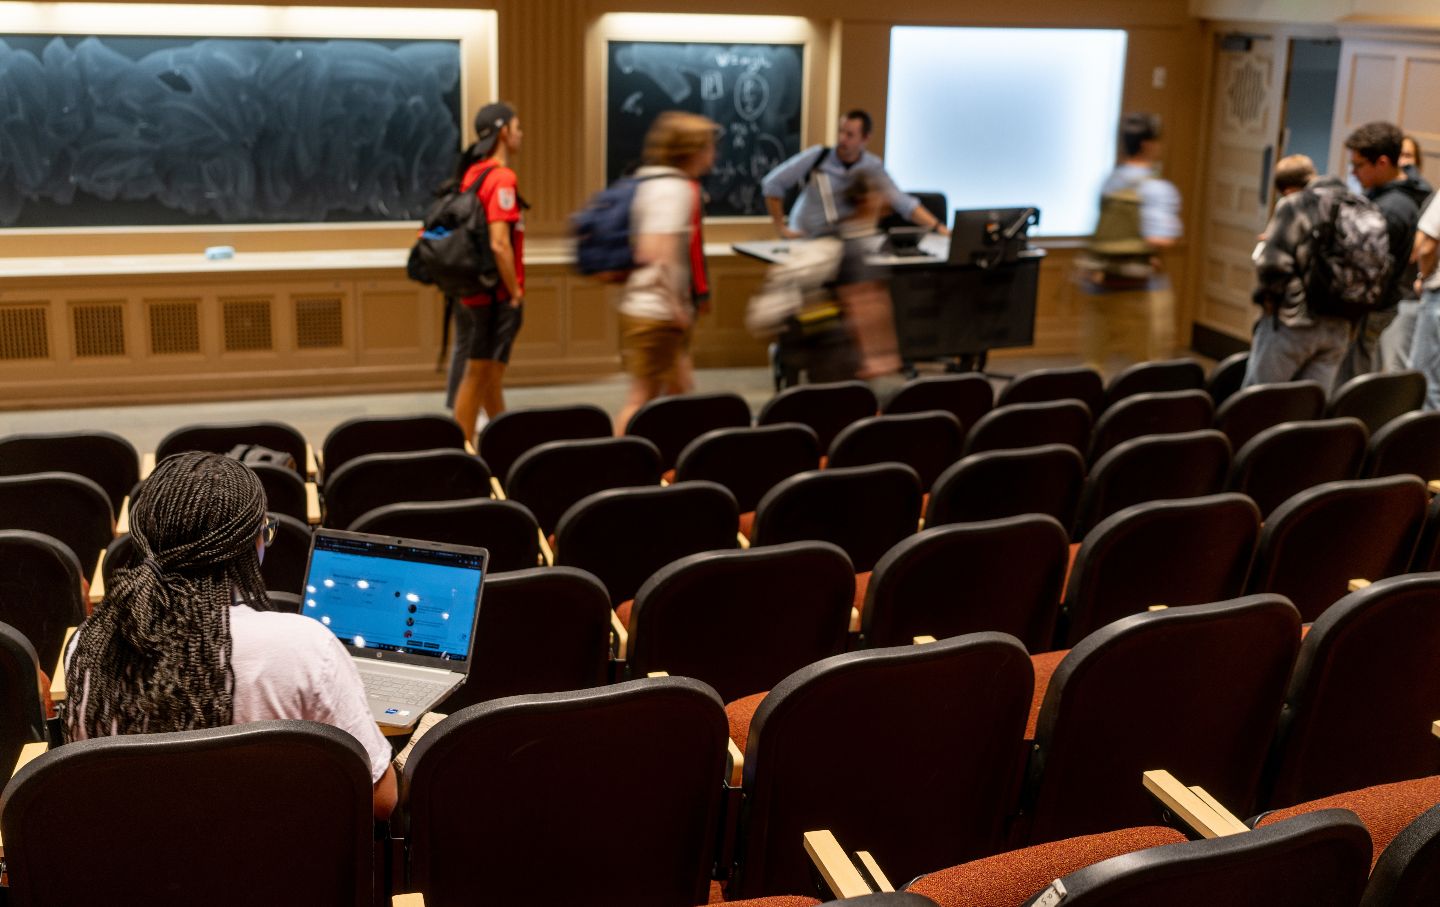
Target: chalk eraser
[{"x": 217, "y": 253}]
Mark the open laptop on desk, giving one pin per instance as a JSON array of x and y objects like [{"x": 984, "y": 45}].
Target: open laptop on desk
[{"x": 405, "y": 610}]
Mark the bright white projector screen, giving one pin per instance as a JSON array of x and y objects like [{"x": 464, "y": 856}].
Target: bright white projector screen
[{"x": 1006, "y": 117}]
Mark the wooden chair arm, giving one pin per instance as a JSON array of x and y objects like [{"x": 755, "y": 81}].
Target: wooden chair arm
[
  {"x": 147, "y": 465},
  {"x": 854, "y": 620},
  {"x": 545, "y": 551},
  {"x": 414, "y": 899},
  {"x": 1435, "y": 729},
  {"x": 873, "y": 869},
  {"x": 1355, "y": 585},
  {"x": 1193, "y": 806},
  {"x": 837, "y": 870},
  {"x": 312, "y": 463},
  {"x": 923, "y": 640},
  {"x": 619, "y": 635},
  {"x": 737, "y": 763},
  {"x": 122, "y": 519},
  {"x": 742, "y": 541},
  {"x": 1434, "y": 486},
  {"x": 97, "y": 582},
  {"x": 58, "y": 693},
  {"x": 496, "y": 491},
  {"x": 312, "y": 503}
]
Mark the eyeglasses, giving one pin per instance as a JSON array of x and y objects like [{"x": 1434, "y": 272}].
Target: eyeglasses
[{"x": 272, "y": 526}]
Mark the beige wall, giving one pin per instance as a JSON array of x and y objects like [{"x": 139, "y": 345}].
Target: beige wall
[{"x": 569, "y": 331}]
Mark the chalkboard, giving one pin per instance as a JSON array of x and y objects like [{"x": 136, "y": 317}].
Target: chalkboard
[
  {"x": 121, "y": 131},
  {"x": 752, "y": 90}
]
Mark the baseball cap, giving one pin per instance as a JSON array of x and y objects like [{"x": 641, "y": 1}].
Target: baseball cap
[{"x": 488, "y": 123}]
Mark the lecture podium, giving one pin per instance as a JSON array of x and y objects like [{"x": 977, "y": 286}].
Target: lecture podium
[{"x": 945, "y": 310}]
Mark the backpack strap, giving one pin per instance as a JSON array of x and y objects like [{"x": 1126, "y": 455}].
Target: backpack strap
[{"x": 815, "y": 167}]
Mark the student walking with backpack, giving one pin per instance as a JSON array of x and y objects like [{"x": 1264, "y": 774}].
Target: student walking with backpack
[
  {"x": 668, "y": 286},
  {"x": 1121, "y": 275},
  {"x": 487, "y": 322}
]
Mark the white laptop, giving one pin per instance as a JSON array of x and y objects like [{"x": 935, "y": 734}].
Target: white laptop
[{"x": 405, "y": 609}]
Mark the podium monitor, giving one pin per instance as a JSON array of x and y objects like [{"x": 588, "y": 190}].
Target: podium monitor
[{"x": 986, "y": 237}]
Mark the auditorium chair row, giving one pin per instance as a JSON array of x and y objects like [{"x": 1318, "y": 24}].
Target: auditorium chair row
[{"x": 915, "y": 753}]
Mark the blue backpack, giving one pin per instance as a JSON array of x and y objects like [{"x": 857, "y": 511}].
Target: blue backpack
[{"x": 602, "y": 230}]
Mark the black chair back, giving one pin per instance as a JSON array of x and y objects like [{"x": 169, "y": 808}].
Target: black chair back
[
  {"x": 1319, "y": 540},
  {"x": 1018, "y": 425},
  {"x": 40, "y": 590},
  {"x": 1408, "y": 871},
  {"x": 742, "y": 621},
  {"x": 1250, "y": 411},
  {"x": 284, "y": 491},
  {"x": 1044, "y": 385},
  {"x": 1378, "y": 397},
  {"x": 904, "y": 813},
  {"x": 624, "y": 535},
  {"x": 1003, "y": 483},
  {"x": 288, "y": 556},
  {"x": 199, "y": 793},
  {"x": 1156, "y": 468},
  {"x": 506, "y": 437},
  {"x": 1356, "y": 714},
  {"x": 966, "y": 396},
  {"x": 1319, "y": 859},
  {"x": 749, "y": 461},
  {"x": 22, "y": 715},
  {"x": 387, "y": 434},
  {"x": 1099, "y": 729},
  {"x": 1427, "y": 552},
  {"x": 1227, "y": 376},
  {"x": 670, "y": 423},
  {"x": 222, "y": 438},
  {"x": 1283, "y": 461},
  {"x": 928, "y": 442},
  {"x": 507, "y": 529},
  {"x": 1407, "y": 445},
  {"x": 826, "y": 408},
  {"x": 106, "y": 459},
  {"x": 1165, "y": 413},
  {"x": 863, "y": 509},
  {"x": 1154, "y": 378},
  {"x": 69, "y": 508},
  {"x": 1185, "y": 552},
  {"x": 967, "y": 578},
  {"x": 631, "y": 772},
  {"x": 549, "y": 479},
  {"x": 375, "y": 480},
  {"x": 541, "y": 630}
]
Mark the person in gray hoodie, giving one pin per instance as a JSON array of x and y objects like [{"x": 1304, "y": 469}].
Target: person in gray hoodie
[{"x": 1374, "y": 159}]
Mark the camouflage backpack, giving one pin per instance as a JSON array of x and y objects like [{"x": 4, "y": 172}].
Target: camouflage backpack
[{"x": 1350, "y": 263}]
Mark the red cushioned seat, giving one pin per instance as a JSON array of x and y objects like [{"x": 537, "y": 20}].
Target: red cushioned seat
[{"x": 1385, "y": 808}]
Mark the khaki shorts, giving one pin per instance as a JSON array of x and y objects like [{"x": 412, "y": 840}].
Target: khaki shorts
[{"x": 650, "y": 348}]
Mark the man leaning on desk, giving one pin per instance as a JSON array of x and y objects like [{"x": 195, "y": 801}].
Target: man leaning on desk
[{"x": 822, "y": 175}]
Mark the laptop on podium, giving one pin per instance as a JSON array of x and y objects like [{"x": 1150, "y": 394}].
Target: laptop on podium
[{"x": 405, "y": 610}]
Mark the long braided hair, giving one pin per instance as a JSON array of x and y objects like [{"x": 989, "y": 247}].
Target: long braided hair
[{"x": 155, "y": 654}]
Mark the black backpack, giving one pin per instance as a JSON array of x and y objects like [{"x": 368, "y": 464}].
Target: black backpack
[
  {"x": 1350, "y": 268},
  {"x": 453, "y": 251}
]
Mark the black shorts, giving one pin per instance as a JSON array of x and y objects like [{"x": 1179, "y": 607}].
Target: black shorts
[{"x": 492, "y": 329}]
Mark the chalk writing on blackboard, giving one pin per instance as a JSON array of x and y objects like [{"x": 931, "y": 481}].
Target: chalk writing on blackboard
[
  {"x": 124, "y": 131},
  {"x": 753, "y": 91}
]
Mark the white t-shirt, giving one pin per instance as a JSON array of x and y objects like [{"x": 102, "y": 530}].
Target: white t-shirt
[
  {"x": 1430, "y": 225},
  {"x": 289, "y": 666},
  {"x": 665, "y": 204}
]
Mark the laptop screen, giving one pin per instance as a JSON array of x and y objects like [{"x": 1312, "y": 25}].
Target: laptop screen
[{"x": 390, "y": 595}]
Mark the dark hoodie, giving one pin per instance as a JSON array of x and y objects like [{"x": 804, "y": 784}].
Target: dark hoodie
[{"x": 1400, "y": 201}]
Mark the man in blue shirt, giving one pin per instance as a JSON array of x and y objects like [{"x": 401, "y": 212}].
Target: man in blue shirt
[{"x": 823, "y": 174}]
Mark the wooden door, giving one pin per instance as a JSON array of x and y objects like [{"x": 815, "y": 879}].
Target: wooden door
[{"x": 1246, "y": 116}]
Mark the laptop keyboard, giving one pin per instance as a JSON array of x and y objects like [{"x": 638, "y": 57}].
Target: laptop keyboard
[{"x": 397, "y": 690}]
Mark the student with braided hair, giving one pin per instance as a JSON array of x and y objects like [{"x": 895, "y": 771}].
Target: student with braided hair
[{"x": 186, "y": 640}]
